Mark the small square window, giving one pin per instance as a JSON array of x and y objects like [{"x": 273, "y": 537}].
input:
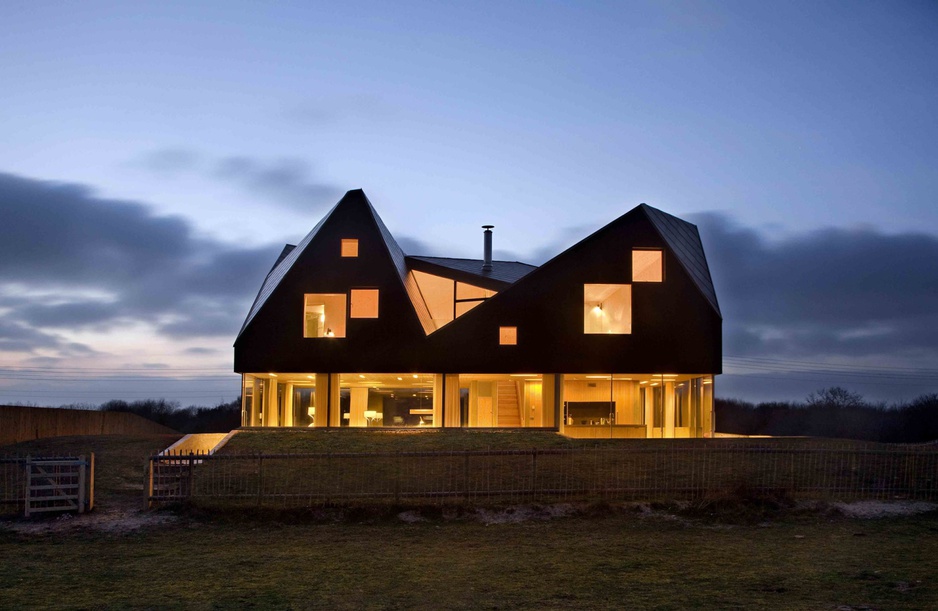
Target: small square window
[
  {"x": 647, "y": 266},
  {"x": 508, "y": 336},
  {"x": 350, "y": 247},
  {"x": 364, "y": 303}
]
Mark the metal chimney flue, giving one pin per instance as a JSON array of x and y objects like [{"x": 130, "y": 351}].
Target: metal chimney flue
[{"x": 487, "y": 248}]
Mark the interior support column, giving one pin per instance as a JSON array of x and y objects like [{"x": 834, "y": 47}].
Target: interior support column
[
  {"x": 321, "y": 418},
  {"x": 288, "y": 405},
  {"x": 335, "y": 409},
  {"x": 451, "y": 408}
]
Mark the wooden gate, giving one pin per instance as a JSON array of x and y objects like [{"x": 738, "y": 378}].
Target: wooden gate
[{"x": 59, "y": 484}]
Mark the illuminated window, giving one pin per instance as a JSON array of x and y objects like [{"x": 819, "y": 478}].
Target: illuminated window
[
  {"x": 447, "y": 299},
  {"x": 647, "y": 266},
  {"x": 607, "y": 308},
  {"x": 508, "y": 336},
  {"x": 350, "y": 248},
  {"x": 324, "y": 315},
  {"x": 364, "y": 303}
]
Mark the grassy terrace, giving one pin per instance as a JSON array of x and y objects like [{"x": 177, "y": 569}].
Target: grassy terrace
[
  {"x": 431, "y": 440},
  {"x": 309, "y": 468}
]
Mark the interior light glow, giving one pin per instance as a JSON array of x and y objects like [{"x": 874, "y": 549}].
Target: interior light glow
[
  {"x": 400, "y": 378},
  {"x": 361, "y": 375},
  {"x": 597, "y": 377},
  {"x": 273, "y": 375},
  {"x": 522, "y": 375},
  {"x": 415, "y": 375}
]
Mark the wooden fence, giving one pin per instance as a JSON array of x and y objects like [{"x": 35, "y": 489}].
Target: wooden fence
[
  {"x": 45, "y": 484},
  {"x": 25, "y": 423},
  {"x": 543, "y": 475}
]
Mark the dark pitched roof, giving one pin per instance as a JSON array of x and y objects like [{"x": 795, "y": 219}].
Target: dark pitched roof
[
  {"x": 284, "y": 262},
  {"x": 684, "y": 240},
  {"x": 502, "y": 274},
  {"x": 290, "y": 254},
  {"x": 287, "y": 249}
]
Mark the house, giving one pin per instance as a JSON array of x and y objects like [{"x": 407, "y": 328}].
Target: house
[{"x": 618, "y": 336}]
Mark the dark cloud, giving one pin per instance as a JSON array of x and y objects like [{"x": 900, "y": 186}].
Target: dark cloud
[
  {"x": 284, "y": 181},
  {"x": 199, "y": 351},
  {"x": 287, "y": 182},
  {"x": 846, "y": 292},
  {"x": 110, "y": 262},
  {"x": 415, "y": 246}
]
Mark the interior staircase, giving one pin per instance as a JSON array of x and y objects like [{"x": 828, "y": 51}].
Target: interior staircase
[{"x": 509, "y": 410}]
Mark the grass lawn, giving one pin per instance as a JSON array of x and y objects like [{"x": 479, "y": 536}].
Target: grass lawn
[
  {"x": 603, "y": 558},
  {"x": 612, "y": 560},
  {"x": 358, "y": 440}
]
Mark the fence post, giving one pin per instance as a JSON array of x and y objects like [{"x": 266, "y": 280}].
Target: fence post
[
  {"x": 29, "y": 483},
  {"x": 82, "y": 466},
  {"x": 148, "y": 499},
  {"x": 465, "y": 475},
  {"x": 397, "y": 479},
  {"x": 260, "y": 478},
  {"x": 190, "y": 477},
  {"x": 91, "y": 483}
]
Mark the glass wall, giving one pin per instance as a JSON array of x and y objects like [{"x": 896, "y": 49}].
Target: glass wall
[
  {"x": 506, "y": 400},
  {"x": 386, "y": 400},
  {"x": 580, "y": 405},
  {"x": 637, "y": 405},
  {"x": 280, "y": 400}
]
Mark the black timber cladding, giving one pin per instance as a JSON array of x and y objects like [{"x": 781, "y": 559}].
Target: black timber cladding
[{"x": 676, "y": 324}]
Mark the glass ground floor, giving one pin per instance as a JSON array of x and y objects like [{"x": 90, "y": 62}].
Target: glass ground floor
[{"x": 578, "y": 405}]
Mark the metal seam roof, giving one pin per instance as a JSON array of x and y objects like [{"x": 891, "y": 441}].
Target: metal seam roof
[{"x": 684, "y": 240}]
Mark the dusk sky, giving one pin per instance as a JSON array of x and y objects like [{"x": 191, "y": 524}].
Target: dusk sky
[{"x": 154, "y": 159}]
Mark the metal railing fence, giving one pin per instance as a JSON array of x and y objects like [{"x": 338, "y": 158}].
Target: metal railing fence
[{"x": 612, "y": 473}]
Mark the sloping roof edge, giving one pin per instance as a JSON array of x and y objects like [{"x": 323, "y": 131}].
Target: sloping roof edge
[
  {"x": 684, "y": 240},
  {"x": 284, "y": 262},
  {"x": 503, "y": 274}
]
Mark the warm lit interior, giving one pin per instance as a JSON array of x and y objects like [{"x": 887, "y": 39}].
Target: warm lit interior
[
  {"x": 363, "y": 303},
  {"x": 349, "y": 247},
  {"x": 446, "y": 299},
  {"x": 324, "y": 315},
  {"x": 637, "y": 405},
  {"x": 578, "y": 405},
  {"x": 607, "y": 308},
  {"x": 508, "y": 336},
  {"x": 647, "y": 266}
]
